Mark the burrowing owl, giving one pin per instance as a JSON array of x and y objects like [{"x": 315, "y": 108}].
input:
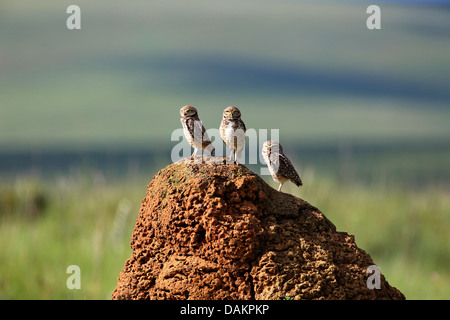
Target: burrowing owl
[
  {"x": 232, "y": 131},
  {"x": 194, "y": 130},
  {"x": 279, "y": 165}
]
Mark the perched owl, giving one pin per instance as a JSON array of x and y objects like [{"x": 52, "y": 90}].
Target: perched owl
[
  {"x": 232, "y": 131},
  {"x": 279, "y": 165},
  {"x": 194, "y": 131}
]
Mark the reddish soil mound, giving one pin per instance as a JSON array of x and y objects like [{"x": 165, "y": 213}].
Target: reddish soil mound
[{"x": 215, "y": 231}]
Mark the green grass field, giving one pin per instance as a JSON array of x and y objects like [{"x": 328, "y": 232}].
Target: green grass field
[
  {"x": 83, "y": 224},
  {"x": 87, "y": 221}
]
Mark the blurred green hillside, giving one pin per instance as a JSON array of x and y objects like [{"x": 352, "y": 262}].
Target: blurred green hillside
[
  {"x": 311, "y": 69},
  {"x": 86, "y": 118}
]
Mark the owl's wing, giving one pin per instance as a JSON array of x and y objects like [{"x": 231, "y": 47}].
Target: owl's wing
[
  {"x": 196, "y": 126},
  {"x": 287, "y": 170},
  {"x": 243, "y": 125}
]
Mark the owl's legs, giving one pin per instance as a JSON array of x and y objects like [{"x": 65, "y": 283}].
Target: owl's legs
[
  {"x": 231, "y": 157},
  {"x": 237, "y": 154},
  {"x": 194, "y": 154},
  {"x": 281, "y": 184},
  {"x": 235, "y": 150}
]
